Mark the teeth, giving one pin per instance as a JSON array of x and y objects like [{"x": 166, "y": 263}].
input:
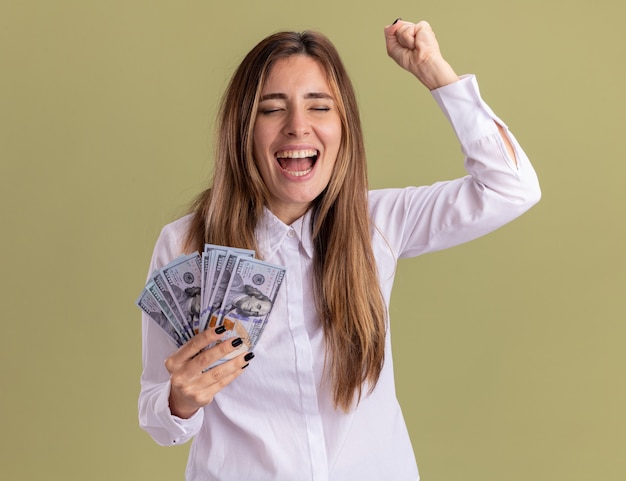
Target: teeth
[
  {"x": 296, "y": 154},
  {"x": 298, "y": 173}
]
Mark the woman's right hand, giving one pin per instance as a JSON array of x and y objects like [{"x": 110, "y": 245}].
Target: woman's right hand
[{"x": 192, "y": 385}]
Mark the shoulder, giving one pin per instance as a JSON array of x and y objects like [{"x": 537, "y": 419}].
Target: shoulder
[
  {"x": 382, "y": 202},
  {"x": 378, "y": 197},
  {"x": 169, "y": 245},
  {"x": 387, "y": 209},
  {"x": 177, "y": 228}
]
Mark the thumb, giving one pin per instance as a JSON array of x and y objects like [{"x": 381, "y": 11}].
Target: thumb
[{"x": 390, "y": 30}]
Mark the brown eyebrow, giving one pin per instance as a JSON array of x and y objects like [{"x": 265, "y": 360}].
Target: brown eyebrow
[{"x": 311, "y": 95}]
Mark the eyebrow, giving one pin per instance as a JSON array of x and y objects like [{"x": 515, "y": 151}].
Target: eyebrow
[{"x": 310, "y": 95}]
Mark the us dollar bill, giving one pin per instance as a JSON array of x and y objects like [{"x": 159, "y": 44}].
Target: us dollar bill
[
  {"x": 248, "y": 301},
  {"x": 149, "y": 304},
  {"x": 212, "y": 257},
  {"x": 183, "y": 276},
  {"x": 158, "y": 288},
  {"x": 216, "y": 287},
  {"x": 222, "y": 274}
]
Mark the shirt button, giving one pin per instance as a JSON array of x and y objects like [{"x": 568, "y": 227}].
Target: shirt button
[{"x": 291, "y": 233}]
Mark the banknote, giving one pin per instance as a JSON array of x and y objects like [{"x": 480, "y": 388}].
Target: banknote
[
  {"x": 167, "y": 311},
  {"x": 222, "y": 274},
  {"x": 212, "y": 258},
  {"x": 161, "y": 284},
  {"x": 248, "y": 301},
  {"x": 220, "y": 286},
  {"x": 183, "y": 276},
  {"x": 151, "y": 306}
]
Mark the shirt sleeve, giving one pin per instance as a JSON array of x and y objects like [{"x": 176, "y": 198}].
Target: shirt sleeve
[
  {"x": 417, "y": 220},
  {"x": 155, "y": 416}
]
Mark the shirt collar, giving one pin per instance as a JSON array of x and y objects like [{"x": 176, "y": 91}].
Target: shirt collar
[{"x": 271, "y": 232}]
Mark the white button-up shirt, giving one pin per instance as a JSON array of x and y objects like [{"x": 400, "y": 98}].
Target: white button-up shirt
[{"x": 277, "y": 421}]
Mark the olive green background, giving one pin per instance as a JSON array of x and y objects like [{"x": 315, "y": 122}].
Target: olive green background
[{"x": 508, "y": 350}]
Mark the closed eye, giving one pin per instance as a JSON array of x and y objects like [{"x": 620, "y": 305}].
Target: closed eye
[{"x": 270, "y": 110}]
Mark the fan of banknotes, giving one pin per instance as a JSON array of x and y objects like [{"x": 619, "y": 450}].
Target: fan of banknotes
[{"x": 222, "y": 286}]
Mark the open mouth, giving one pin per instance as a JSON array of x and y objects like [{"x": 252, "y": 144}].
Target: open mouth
[{"x": 297, "y": 163}]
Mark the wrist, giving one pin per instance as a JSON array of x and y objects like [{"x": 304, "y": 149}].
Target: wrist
[
  {"x": 436, "y": 74},
  {"x": 179, "y": 408}
]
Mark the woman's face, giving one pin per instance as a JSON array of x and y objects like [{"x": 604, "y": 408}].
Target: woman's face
[{"x": 297, "y": 135}]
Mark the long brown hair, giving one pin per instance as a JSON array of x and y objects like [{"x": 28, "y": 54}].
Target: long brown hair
[{"x": 347, "y": 292}]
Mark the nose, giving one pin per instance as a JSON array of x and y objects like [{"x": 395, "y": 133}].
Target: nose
[{"x": 297, "y": 124}]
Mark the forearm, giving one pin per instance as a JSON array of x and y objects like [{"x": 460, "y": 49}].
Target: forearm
[
  {"x": 501, "y": 184},
  {"x": 155, "y": 416}
]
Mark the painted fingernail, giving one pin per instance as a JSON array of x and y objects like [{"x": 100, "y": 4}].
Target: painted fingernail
[
  {"x": 396, "y": 20},
  {"x": 248, "y": 356},
  {"x": 237, "y": 342},
  {"x": 220, "y": 330},
  {"x": 245, "y": 366}
]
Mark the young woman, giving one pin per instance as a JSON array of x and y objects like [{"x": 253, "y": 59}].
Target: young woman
[{"x": 318, "y": 401}]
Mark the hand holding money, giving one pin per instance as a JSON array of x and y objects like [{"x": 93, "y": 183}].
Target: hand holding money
[
  {"x": 222, "y": 287},
  {"x": 192, "y": 385}
]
